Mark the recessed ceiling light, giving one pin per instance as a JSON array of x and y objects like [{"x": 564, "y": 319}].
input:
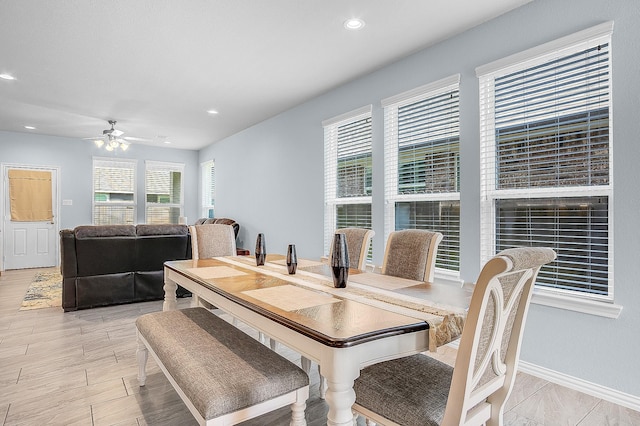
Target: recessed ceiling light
[
  {"x": 7, "y": 77},
  {"x": 29, "y": 127},
  {"x": 354, "y": 24},
  {"x": 212, "y": 112}
]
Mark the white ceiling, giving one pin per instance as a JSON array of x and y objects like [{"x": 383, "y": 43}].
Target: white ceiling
[{"x": 157, "y": 66}]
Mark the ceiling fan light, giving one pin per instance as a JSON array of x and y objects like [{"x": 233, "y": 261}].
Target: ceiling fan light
[
  {"x": 99, "y": 143},
  {"x": 124, "y": 145},
  {"x": 109, "y": 148},
  {"x": 113, "y": 143}
]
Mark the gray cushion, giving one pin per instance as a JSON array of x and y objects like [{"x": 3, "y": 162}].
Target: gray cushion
[
  {"x": 164, "y": 229},
  {"x": 92, "y": 231},
  {"x": 409, "y": 391},
  {"x": 218, "y": 367}
]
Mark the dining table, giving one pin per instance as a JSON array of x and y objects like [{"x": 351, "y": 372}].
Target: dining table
[{"x": 373, "y": 319}]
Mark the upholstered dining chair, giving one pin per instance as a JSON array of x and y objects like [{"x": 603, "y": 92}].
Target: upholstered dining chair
[
  {"x": 411, "y": 254},
  {"x": 212, "y": 240},
  {"x": 358, "y": 242},
  {"x": 419, "y": 390},
  {"x": 208, "y": 241}
]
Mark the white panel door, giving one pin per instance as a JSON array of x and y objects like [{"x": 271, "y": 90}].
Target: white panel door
[{"x": 30, "y": 244}]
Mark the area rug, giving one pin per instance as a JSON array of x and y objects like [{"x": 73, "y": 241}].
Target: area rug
[{"x": 45, "y": 291}]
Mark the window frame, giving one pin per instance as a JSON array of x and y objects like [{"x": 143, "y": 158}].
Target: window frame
[
  {"x": 170, "y": 167},
  {"x": 331, "y": 198},
  {"x": 567, "y": 299},
  {"x": 392, "y": 196},
  {"x": 112, "y": 162}
]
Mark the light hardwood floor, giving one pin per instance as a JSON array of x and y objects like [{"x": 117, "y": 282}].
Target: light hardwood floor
[{"x": 79, "y": 368}]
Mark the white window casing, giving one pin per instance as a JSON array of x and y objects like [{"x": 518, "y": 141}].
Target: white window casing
[
  {"x": 114, "y": 191},
  {"x": 347, "y": 172},
  {"x": 421, "y": 164},
  {"x": 546, "y": 164},
  {"x": 164, "y": 192}
]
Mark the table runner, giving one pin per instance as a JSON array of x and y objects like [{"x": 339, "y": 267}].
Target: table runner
[{"x": 445, "y": 322}]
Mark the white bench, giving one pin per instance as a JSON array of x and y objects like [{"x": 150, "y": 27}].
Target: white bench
[{"x": 223, "y": 375}]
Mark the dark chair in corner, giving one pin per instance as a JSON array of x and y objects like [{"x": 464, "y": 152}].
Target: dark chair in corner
[
  {"x": 411, "y": 254},
  {"x": 419, "y": 390}
]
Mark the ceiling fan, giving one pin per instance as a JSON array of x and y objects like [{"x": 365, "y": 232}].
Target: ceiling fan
[{"x": 110, "y": 139}]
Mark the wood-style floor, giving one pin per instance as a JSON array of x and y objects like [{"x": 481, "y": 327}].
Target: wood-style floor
[{"x": 79, "y": 368}]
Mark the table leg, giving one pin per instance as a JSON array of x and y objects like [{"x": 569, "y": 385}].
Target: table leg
[
  {"x": 340, "y": 395},
  {"x": 170, "y": 287}
]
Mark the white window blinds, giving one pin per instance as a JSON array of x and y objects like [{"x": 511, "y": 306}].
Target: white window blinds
[
  {"x": 164, "y": 192},
  {"x": 208, "y": 173},
  {"x": 114, "y": 200},
  {"x": 348, "y": 167},
  {"x": 422, "y": 164},
  {"x": 546, "y": 161}
]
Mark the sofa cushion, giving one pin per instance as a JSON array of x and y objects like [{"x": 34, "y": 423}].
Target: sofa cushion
[
  {"x": 146, "y": 230},
  {"x": 91, "y": 231}
]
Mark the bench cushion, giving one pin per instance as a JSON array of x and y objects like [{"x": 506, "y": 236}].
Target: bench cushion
[{"x": 219, "y": 368}]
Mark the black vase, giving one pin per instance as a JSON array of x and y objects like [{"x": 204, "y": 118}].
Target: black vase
[
  {"x": 340, "y": 261},
  {"x": 292, "y": 259},
  {"x": 261, "y": 249}
]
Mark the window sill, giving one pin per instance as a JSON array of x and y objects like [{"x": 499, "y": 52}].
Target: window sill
[{"x": 603, "y": 309}]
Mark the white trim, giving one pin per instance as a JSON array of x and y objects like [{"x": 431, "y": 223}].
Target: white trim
[
  {"x": 351, "y": 116},
  {"x": 593, "y": 389},
  {"x": 587, "y": 35},
  {"x": 420, "y": 92},
  {"x": 576, "y": 303}
]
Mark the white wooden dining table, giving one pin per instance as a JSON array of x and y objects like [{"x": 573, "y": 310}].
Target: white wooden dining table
[{"x": 375, "y": 318}]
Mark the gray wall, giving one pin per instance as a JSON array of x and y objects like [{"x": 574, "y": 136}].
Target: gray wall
[
  {"x": 270, "y": 176},
  {"x": 74, "y": 158}
]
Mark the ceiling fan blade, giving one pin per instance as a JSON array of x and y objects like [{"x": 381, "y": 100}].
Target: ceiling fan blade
[
  {"x": 135, "y": 139},
  {"x": 116, "y": 133}
]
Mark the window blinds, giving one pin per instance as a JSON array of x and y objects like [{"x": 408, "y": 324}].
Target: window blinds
[
  {"x": 163, "y": 189},
  {"x": 208, "y": 188},
  {"x": 114, "y": 192},
  {"x": 348, "y": 172},
  {"x": 422, "y": 164},
  {"x": 546, "y": 160}
]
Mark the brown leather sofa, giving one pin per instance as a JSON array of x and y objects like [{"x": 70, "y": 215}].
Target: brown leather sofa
[{"x": 114, "y": 264}]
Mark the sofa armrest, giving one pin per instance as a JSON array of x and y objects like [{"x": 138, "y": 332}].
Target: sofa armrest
[{"x": 68, "y": 259}]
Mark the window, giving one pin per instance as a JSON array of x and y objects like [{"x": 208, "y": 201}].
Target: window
[
  {"x": 163, "y": 188},
  {"x": 422, "y": 165},
  {"x": 546, "y": 160},
  {"x": 347, "y": 176},
  {"x": 208, "y": 173},
  {"x": 114, "y": 195}
]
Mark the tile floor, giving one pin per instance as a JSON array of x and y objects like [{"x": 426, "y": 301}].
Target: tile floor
[{"x": 79, "y": 368}]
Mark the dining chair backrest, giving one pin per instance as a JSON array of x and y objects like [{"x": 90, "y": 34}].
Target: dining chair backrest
[
  {"x": 358, "y": 242},
  {"x": 212, "y": 240},
  {"x": 411, "y": 254},
  {"x": 487, "y": 359}
]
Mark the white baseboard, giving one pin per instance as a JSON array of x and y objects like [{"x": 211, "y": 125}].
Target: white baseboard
[{"x": 593, "y": 389}]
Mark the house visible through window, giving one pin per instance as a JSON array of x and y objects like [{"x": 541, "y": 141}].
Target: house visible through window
[
  {"x": 422, "y": 165},
  {"x": 114, "y": 195},
  {"x": 348, "y": 167},
  {"x": 546, "y": 160},
  {"x": 164, "y": 192}
]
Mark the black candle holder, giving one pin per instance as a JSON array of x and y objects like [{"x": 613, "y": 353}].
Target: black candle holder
[
  {"x": 261, "y": 250},
  {"x": 292, "y": 259},
  {"x": 340, "y": 261}
]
